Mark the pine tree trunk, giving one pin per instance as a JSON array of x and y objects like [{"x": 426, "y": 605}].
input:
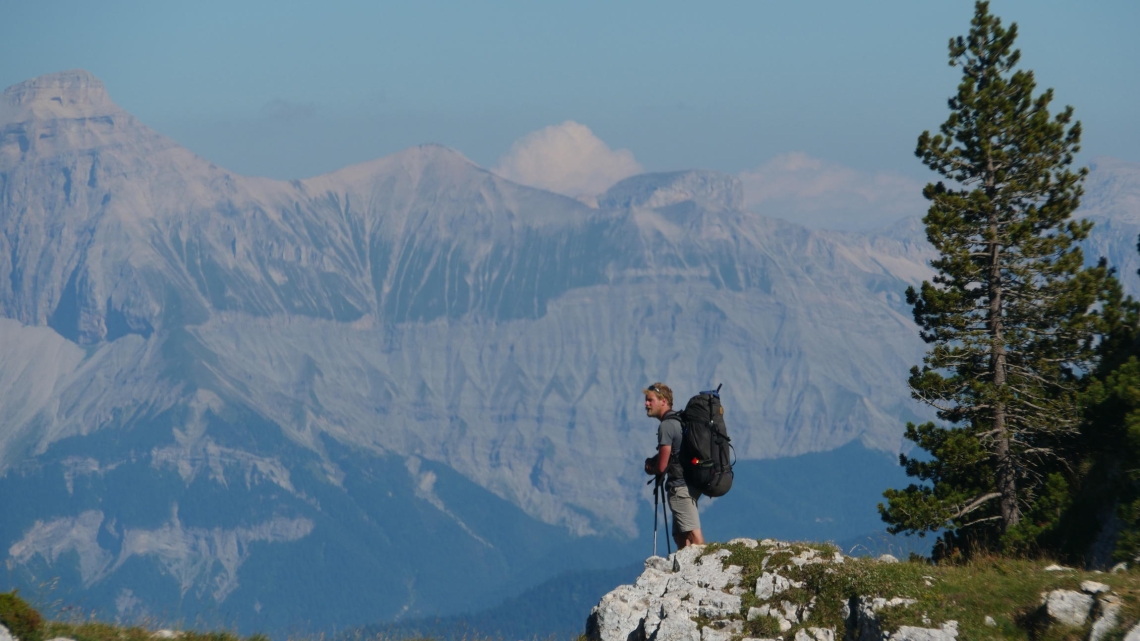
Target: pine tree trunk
[{"x": 1003, "y": 462}]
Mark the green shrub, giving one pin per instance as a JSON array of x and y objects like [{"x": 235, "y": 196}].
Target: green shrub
[
  {"x": 21, "y": 619},
  {"x": 763, "y": 627}
]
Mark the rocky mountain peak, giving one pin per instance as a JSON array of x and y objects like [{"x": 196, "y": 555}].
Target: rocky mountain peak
[
  {"x": 709, "y": 189},
  {"x": 67, "y": 94},
  {"x": 415, "y": 163},
  {"x": 431, "y": 155}
]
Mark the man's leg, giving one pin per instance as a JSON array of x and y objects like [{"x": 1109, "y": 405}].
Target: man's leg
[
  {"x": 686, "y": 519},
  {"x": 688, "y": 538}
]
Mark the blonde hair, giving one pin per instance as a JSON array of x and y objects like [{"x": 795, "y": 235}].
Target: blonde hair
[{"x": 662, "y": 390}]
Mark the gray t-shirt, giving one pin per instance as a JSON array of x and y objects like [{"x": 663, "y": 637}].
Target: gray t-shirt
[{"x": 669, "y": 432}]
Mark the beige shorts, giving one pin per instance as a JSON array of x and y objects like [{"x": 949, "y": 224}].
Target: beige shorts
[{"x": 683, "y": 503}]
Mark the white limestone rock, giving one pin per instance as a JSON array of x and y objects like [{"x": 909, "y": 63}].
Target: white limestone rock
[
  {"x": 709, "y": 572},
  {"x": 1093, "y": 587},
  {"x": 815, "y": 634},
  {"x": 716, "y": 605},
  {"x": 669, "y": 594},
  {"x": 864, "y": 620},
  {"x": 1068, "y": 607},
  {"x": 659, "y": 563},
  {"x": 770, "y": 584},
  {"x": 1108, "y": 617},
  {"x": 878, "y": 603},
  {"x": 748, "y": 543},
  {"x": 806, "y": 557},
  {"x": 671, "y": 622},
  {"x": 711, "y": 634},
  {"x": 619, "y": 614},
  {"x": 722, "y": 630},
  {"x": 653, "y": 581},
  {"x": 788, "y": 611},
  {"x": 888, "y": 558},
  {"x": 947, "y": 632}
]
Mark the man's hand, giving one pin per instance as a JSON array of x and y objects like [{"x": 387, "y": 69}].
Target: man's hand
[{"x": 658, "y": 464}]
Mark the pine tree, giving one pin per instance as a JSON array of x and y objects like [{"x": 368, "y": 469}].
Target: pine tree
[
  {"x": 1106, "y": 495},
  {"x": 1010, "y": 315}
]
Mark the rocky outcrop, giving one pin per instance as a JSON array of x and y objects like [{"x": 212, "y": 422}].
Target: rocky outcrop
[
  {"x": 666, "y": 602},
  {"x": 697, "y": 594},
  {"x": 668, "y": 595}
]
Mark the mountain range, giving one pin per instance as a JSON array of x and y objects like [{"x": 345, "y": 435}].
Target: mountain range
[{"x": 409, "y": 387}]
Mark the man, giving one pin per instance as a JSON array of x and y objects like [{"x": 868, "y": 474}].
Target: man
[{"x": 682, "y": 498}]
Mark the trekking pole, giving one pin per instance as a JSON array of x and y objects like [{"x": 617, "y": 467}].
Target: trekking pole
[{"x": 656, "y": 487}]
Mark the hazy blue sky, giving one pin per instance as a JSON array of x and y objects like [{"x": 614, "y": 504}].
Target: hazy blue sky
[{"x": 292, "y": 89}]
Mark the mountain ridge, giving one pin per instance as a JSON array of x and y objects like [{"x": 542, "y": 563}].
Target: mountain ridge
[
  {"x": 391, "y": 352},
  {"x": 382, "y": 251}
]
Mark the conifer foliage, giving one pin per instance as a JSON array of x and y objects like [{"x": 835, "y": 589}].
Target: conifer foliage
[
  {"x": 1011, "y": 314},
  {"x": 1105, "y": 499}
]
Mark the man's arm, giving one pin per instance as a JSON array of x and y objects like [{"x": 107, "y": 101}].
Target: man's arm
[
  {"x": 658, "y": 464},
  {"x": 663, "y": 452}
]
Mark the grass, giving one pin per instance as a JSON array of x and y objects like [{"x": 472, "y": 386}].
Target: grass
[
  {"x": 99, "y": 631},
  {"x": 35, "y": 628},
  {"x": 1008, "y": 590}
]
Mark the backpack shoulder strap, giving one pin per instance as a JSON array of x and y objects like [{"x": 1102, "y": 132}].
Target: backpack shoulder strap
[
  {"x": 676, "y": 416},
  {"x": 675, "y": 454}
]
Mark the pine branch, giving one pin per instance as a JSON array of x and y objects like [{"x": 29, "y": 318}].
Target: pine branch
[{"x": 973, "y": 505}]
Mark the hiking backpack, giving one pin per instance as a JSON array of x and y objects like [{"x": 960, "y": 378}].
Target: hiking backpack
[{"x": 706, "y": 454}]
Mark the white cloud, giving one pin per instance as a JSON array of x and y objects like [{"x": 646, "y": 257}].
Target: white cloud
[
  {"x": 822, "y": 194},
  {"x": 568, "y": 159}
]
